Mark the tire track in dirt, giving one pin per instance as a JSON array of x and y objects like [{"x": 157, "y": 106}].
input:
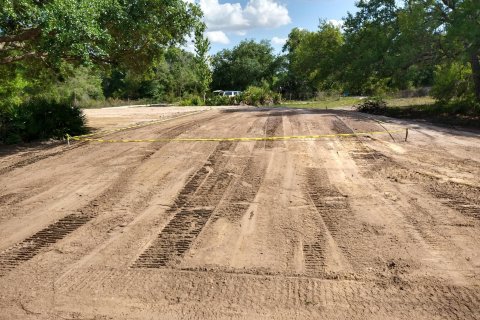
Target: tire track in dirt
[
  {"x": 201, "y": 196},
  {"x": 429, "y": 225},
  {"x": 273, "y": 127},
  {"x": 192, "y": 209},
  {"x": 336, "y": 220},
  {"x": 341, "y": 239},
  {"x": 36, "y": 158},
  {"x": 459, "y": 197},
  {"x": 30, "y": 247},
  {"x": 330, "y": 299},
  {"x": 248, "y": 184}
]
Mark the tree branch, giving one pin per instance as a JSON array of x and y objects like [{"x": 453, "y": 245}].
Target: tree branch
[
  {"x": 11, "y": 59},
  {"x": 28, "y": 34}
]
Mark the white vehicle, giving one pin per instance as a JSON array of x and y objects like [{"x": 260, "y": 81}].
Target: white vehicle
[{"x": 227, "y": 93}]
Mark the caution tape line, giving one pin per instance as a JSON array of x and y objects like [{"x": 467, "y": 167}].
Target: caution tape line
[
  {"x": 240, "y": 139},
  {"x": 133, "y": 126}
]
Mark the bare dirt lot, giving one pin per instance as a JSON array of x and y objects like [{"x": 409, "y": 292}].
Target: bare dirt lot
[{"x": 341, "y": 227}]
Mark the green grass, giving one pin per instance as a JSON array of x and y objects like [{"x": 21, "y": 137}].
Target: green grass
[
  {"x": 410, "y": 102},
  {"x": 323, "y": 104},
  {"x": 351, "y": 101}
]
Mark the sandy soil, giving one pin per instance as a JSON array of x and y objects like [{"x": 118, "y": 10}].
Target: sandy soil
[{"x": 336, "y": 228}]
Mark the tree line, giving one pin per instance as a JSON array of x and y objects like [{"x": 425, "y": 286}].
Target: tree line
[{"x": 84, "y": 53}]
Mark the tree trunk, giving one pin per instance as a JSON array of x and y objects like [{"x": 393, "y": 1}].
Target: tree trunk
[{"x": 475, "y": 62}]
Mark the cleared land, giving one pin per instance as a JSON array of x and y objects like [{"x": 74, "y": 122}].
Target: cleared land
[{"x": 337, "y": 228}]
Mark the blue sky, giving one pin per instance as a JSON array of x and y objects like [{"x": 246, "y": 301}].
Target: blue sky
[{"x": 229, "y": 22}]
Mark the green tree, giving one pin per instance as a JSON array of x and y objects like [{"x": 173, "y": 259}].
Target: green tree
[
  {"x": 461, "y": 20},
  {"x": 202, "y": 59},
  {"x": 295, "y": 83},
  {"x": 369, "y": 36},
  {"x": 315, "y": 56},
  {"x": 247, "y": 64},
  {"x": 120, "y": 32},
  {"x": 396, "y": 46}
]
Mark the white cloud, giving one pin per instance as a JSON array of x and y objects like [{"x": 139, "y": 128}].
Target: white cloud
[
  {"x": 217, "y": 37},
  {"x": 233, "y": 17},
  {"x": 279, "y": 41},
  {"x": 336, "y": 23},
  {"x": 267, "y": 13}
]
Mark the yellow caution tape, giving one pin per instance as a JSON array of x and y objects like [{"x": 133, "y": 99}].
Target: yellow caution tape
[{"x": 81, "y": 138}]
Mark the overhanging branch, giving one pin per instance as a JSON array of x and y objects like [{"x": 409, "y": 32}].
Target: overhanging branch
[
  {"x": 25, "y": 35},
  {"x": 12, "y": 59}
]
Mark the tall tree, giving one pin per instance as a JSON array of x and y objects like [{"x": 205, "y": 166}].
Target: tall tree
[
  {"x": 202, "y": 59},
  {"x": 249, "y": 63},
  {"x": 315, "y": 55}
]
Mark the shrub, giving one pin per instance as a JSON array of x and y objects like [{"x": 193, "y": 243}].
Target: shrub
[
  {"x": 40, "y": 119},
  {"x": 373, "y": 106},
  {"x": 452, "y": 81},
  {"x": 193, "y": 100},
  {"x": 260, "y": 96}
]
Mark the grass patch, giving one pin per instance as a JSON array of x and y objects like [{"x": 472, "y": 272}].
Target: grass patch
[
  {"x": 410, "y": 102},
  {"x": 109, "y": 103}
]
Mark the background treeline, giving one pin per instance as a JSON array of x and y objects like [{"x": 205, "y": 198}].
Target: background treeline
[
  {"x": 390, "y": 46},
  {"x": 59, "y": 55}
]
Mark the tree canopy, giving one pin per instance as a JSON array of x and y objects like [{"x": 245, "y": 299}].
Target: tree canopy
[
  {"x": 249, "y": 63},
  {"x": 120, "y": 32},
  {"x": 387, "y": 45}
]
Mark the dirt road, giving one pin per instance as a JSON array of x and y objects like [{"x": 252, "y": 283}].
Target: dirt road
[{"x": 336, "y": 228}]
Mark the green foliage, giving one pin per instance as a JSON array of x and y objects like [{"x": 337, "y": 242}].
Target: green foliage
[
  {"x": 249, "y": 63},
  {"x": 260, "y": 96},
  {"x": 127, "y": 33},
  {"x": 453, "y": 82},
  {"x": 202, "y": 62},
  {"x": 315, "y": 56},
  {"x": 192, "y": 100},
  {"x": 388, "y": 46},
  {"x": 81, "y": 87},
  {"x": 175, "y": 74},
  {"x": 54, "y": 54},
  {"x": 40, "y": 119},
  {"x": 12, "y": 86}
]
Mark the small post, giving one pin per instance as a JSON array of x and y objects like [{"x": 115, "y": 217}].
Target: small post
[
  {"x": 68, "y": 139},
  {"x": 406, "y": 135}
]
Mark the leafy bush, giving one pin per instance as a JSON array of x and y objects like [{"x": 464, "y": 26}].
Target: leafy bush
[
  {"x": 192, "y": 100},
  {"x": 40, "y": 119},
  {"x": 260, "y": 96},
  {"x": 452, "y": 82},
  {"x": 373, "y": 106}
]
